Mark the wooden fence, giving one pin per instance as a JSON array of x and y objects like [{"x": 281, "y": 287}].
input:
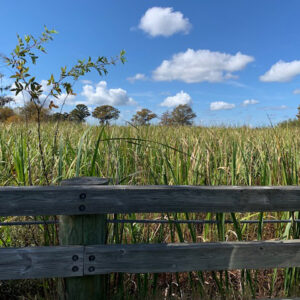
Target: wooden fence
[{"x": 83, "y": 205}]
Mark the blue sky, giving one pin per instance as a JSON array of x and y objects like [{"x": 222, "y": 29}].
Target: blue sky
[{"x": 236, "y": 62}]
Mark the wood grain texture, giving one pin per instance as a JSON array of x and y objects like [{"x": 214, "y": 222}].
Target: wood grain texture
[
  {"x": 79, "y": 200},
  {"x": 47, "y": 262},
  {"x": 83, "y": 230},
  {"x": 156, "y": 258},
  {"x": 41, "y": 262}
]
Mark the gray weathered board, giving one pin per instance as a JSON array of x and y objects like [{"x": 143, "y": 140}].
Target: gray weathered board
[
  {"x": 156, "y": 258},
  {"x": 83, "y": 230},
  {"x": 76, "y": 200},
  {"x": 41, "y": 262}
]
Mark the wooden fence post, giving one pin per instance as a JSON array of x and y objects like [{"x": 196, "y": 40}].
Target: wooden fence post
[{"x": 83, "y": 230}]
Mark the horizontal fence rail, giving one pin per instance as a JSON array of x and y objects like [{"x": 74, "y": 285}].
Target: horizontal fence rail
[
  {"x": 73, "y": 261},
  {"x": 41, "y": 262},
  {"x": 79, "y": 200},
  {"x": 157, "y": 258}
]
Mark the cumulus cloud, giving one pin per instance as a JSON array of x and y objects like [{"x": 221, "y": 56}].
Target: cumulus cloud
[
  {"x": 221, "y": 105},
  {"x": 179, "y": 98},
  {"x": 24, "y": 96},
  {"x": 138, "y": 76},
  {"x": 201, "y": 65},
  {"x": 21, "y": 98},
  {"x": 94, "y": 95},
  {"x": 45, "y": 87},
  {"x": 101, "y": 95},
  {"x": 249, "y": 102},
  {"x": 164, "y": 21},
  {"x": 64, "y": 97},
  {"x": 282, "y": 71}
]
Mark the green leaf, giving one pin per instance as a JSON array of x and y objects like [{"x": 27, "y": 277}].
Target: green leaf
[
  {"x": 27, "y": 38},
  {"x": 92, "y": 172},
  {"x": 33, "y": 59},
  {"x": 17, "y": 49}
]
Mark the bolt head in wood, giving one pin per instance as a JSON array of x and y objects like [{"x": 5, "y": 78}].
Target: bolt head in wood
[
  {"x": 91, "y": 269},
  {"x": 75, "y": 257},
  {"x": 82, "y": 196},
  {"x": 82, "y": 207},
  {"x": 92, "y": 257},
  {"x": 75, "y": 269}
]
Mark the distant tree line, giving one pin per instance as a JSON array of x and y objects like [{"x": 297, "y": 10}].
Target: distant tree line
[
  {"x": 291, "y": 122},
  {"x": 181, "y": 115}
]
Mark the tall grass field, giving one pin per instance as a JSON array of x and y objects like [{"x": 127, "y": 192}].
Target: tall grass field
[{"x": 156, "y": 155}]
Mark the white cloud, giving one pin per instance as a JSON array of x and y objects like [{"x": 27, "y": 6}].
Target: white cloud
[
  {"x": 138, "y": 76},
  {"x": 296, "y": 92},
  {"x": 24, "y": 96},
  {"x": 282, "y": 71},
  {"x": 250, "y": 101},
  {"x": 221, "y": 105},
  {"x": 97, "y": 95},
  {"x": 100, "y": 95},
  {"x": 45, "y": 87},
  {"x": 21, "y": 98},
  {"x": 201, "y": 65},
  {"x": 179, "y": 98},
  {"x": 164, "y": 21},
  {"x": 64, "y": 97}
]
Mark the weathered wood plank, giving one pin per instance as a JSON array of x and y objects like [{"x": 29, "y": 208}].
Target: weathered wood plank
[
  {"x": 83, "y": 230},
  {"x": 155, "y": 258},
  {"x": 41, "y": 262},
  {"x": 47, "y": 262},
  {"x": 76, "y": 200}
]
